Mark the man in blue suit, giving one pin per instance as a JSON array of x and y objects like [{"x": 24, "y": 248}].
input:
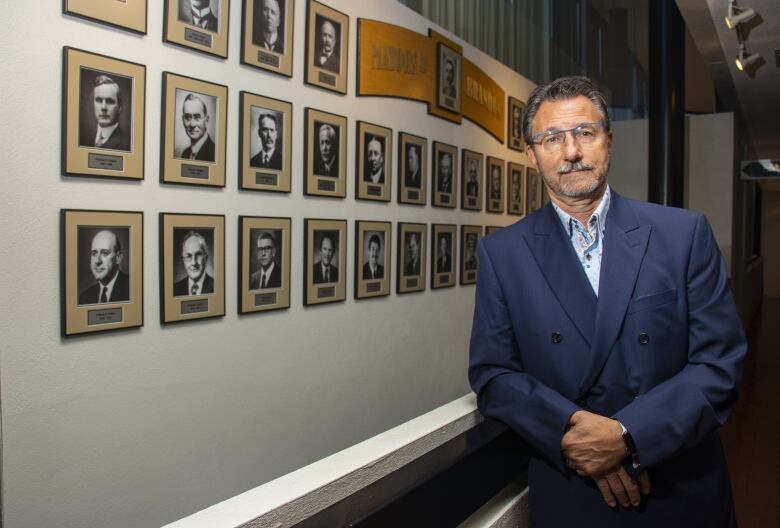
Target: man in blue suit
[{"x": 606, "y": 336}]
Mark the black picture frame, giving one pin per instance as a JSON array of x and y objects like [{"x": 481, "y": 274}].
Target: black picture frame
[
  {"x": 377, "y": 140},
  {"x": 411, "y": 273},
  {"x": 258, "y": 291},
  {"x": 320, "y": 177},
  {"x": 444, "y": 191},
  {"x": 444, "y": 268},
  {"x": 209, "y": 35},
  {"x": 256, "y": 50},
  {"x": 412, "y": 184},
  {"x": 332, "y": 73},
  {"x": 319, "y": 287},
  {"x": 255, "y": 173},
  {"x": 372, "y": 239}
]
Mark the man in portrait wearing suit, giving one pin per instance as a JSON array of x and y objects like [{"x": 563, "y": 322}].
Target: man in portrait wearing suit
[
  {"x": 326, "y": 161},
  {"x": 617, "y": 352},
  {"x": 267, "y": 27},
  {"x": 472, "y": 186},
  {"x": 107, "y": 106},
  {"x": 448, "y": 86},
  {"x": 517, "y": 134},
  {"x": 495, "y": 183},
  {"x": 412, "y": 266},
  {"x": 516, "y": 179},
  {"x": 324, "y": 270},
  {"x": 470, "y": 261},
  {"x": 269, "y": 157},
  {"x": 445, "y": 172},
  {"x": 326, "y": 47},
  {"x": 195, "y": 257},
  {"x": 112, "y": 284},
  {"x": 412, "y": 178},
  {"x": 198, "y": 13},
  {"x": 195, "y": 118},
  {"x": 268, "y": 274},
  {"x": 444, "y": 262},
  {"x": 372, "y": 269},
  {"x": 374, "y": 170}
]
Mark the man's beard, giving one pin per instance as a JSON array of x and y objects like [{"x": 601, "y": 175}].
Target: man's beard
[{"x": 576, "y": 189}]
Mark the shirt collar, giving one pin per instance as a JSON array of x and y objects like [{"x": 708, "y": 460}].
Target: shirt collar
[
  {"x": 199, "y": 282},
  {"x": 199, "y": 144},
  {"x": 105, "y": 132},
  {"x": 599, "y": 216},
  {"x": 110, "y": 286}
]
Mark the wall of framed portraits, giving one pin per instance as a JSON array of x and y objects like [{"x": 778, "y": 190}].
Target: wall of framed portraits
[{"x": 135, "y": 151}]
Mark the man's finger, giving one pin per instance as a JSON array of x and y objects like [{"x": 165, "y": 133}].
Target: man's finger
[
  {"x": 606, "y": 492},
  {"x": 618, "y": 490},
  {"x": 644, "y": 483},
  {"x": 630, "y": 486}
]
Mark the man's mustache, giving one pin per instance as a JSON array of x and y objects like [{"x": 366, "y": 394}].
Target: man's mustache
[{"x": 568, "y": 167}]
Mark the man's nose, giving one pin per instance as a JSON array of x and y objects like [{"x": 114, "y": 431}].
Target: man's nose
[{"x": 571, "y": 149}]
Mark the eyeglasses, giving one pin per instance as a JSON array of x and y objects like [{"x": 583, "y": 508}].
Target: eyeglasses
[
  {"x": 583, "y": 134},
  {"x": 265, "y": 249}
]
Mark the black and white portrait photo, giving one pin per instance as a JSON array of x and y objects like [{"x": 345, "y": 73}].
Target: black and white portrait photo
[
  {"x": 195, "y": 135},
  {"x": 203, "y": 14},
  {"x": 326, "y": 247},
  {"x": 267, "y": 138},
  {"x": 515, "y": 189},
  {"x": 472, "y": 177},
  {"x": 412, "y": 257},
  {"x": 444, "y": 253},
  {"x": 193, "y": 270},
  {"x": 326, "y": 151},
  {"x": 444, "y": 163},
  {"x": 413, "y": 168},
  {"x": 374, "y": 255},
  {"x": 266, "y": 266},
  {"x": 103, "y": 265},
  {"x": 105, "y": 110},
  {"x": 515, "y": 124},
  {"x": 495, "y": 185},
  {"x": 327, "y": 44},
  {"x": 374, "y": 159},
  {"x": 470, "y": 252},
  {"x": 268, "y": 24},
  {"x": 532, "y": 191},
  {"x": 495, "y": 182},
  {"x": 448, "y": 82}
]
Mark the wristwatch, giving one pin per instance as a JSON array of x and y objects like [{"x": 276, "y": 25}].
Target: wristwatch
[{"x": 630, "y": 446}]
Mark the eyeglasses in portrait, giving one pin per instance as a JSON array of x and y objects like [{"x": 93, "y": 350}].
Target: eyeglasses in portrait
[{"x": 264, "y": 263}]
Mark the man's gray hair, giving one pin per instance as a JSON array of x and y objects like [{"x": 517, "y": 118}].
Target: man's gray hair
[{"x": 562, "y": 89}]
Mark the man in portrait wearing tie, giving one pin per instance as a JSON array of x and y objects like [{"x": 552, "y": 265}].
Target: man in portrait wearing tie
[
  {"x": 268, "y": 25},
  {"x": 195, "y": 118},
  {"x": 374, "y": 170},
  {"x": 444, "y": 262},
  {"x": 327, "y": 55},
  {"x": 324, "y": 270},
  {"x": 412, "y": 178},
  {"x": 107, "y": 107},
  {"x": 495, "y": 183},
  {"x": 199, "y": 13},
  {"x": 472, "y": 186},
  {"x": 445, "y": 172},
  {"x": 372, "y": 269},
  {"x": 326, "y": 161},
  {"x": 412, "y": 266},
  {"x": 195, "y": 257},
  {"x": 270, "y": 155},
  {"x": 268, "y": 274},
  {"x": 111, "y": 284}
]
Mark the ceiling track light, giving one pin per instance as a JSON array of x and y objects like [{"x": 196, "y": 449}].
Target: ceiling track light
[
  {"x": 737, "y": 15},
  {"x": 744, "y": 60}
]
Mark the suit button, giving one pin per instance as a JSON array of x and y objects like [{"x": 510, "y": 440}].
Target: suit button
[
  {"x": 644, "y": 338},
  {"x": 557, "y": 337}
]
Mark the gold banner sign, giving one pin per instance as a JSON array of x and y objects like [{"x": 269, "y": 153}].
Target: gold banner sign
[{"x": 397, "y": 62}]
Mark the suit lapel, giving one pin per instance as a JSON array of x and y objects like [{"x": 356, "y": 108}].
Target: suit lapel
[
  {"x": 561, "y": 268},
  {"x": 625, "y": 243}
]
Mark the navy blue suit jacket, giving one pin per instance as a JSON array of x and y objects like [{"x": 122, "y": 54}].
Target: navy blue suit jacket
[{"x": 659, "y": 349}]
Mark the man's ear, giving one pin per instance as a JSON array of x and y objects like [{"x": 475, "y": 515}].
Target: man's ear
[
  {"x": 118, "y": 257},
  {"x": 529, "y": 150}
]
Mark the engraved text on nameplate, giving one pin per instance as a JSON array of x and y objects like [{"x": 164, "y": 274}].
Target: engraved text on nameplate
[
  {"x": 111, "y": 315},
  {"x": 267, "y": 58},
  {"x": 413, "y": 195},
  {"x": 473, "y": 202},
  {"x": 191, "y": 307},
  {"x": 104, "y": 161},
  {"x": 266, "y": 178},
  {"x": 197, "y": 37},
  {"x": 411, "y": 283},
  {"x": 324, "y": 293},
  {"x": 373, "y": 190},
  {"x": 495, "y": 204},
  {"x": 444, "y": 198},
  {"x": 194, "y": 171},
  {"x": 327, "y": 78},
  {"x": 263, "y": 299},
  {"x": 326, "y": 185},
  {"x": 471, "y": 276},
  {"x": 449, "y": 101},
  {"x": 373, "y": 287}
]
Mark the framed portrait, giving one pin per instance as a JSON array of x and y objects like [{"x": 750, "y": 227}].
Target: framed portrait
[
  {"x": 374, "y": 157},
  {"x": 102, "y": 280},
  {"x": 533, "y": 190},
  {"x": 411, "y": 257},
  {"x": 194, "y": 131},
  {"x": 492, "y": 229},
  {"x": 325, "y": 261},
  {"x": 471, "y": 180},
  {"x": 267, "y": 35},
  {"x": 443, "y": 261},
  {"x": 514, "y": 134},
  {"x": 327, "y": 47},
  {"x": 372, "y": 259},
  {"x": 412, "y": 169},
  {"x": 122, "y": 14},
  {"x": 515, "y": 201},
  {"x": 265, "y": 147},
  {"x": 325, "y": 154},
  {"x": 263, "y": 263},
  {"x": 448, "y": 76},
  {"x": 192, "y": 267},
  {"x": 201, "y": 25},
  {"x": 469, "y": 236},
  {"x": 444, "y": 187},
  {"x": 102, "y": 116},
  {"x": 494, "y": 200}
]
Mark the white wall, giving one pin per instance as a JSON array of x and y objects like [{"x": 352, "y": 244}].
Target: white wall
[{"x": 142, "y": 427}]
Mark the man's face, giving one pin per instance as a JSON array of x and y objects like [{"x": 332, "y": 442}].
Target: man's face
[
  {"x": 270, "y": 16},
  {"x": 373, "y": 253},
  {"x": 375, "y": 158},
  {"x": 194, "y": 256},
  {"x": 326, "y": 251},
  {"x": 443, "y": 247},
  {"x": 445, "y": 167},
  {"x": 414, "y": 247},
  {"x": 267, "y": 133},
  {"x": 326, "y": 145},
  {"x": 105, "y": 99},
  {"x": 473, "y": 171},
  {"x": 266, "y": 252},
  {"x": 327, "y": 37},
  {"x": 496, "y": 177},
  {"x": 574, "y": 171},
  {"x": 104, "y": 257},
  {"x": 195, "y": 119},
  {"x": 449, "y": 71},
  {"x": 412, "y": 161}
]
